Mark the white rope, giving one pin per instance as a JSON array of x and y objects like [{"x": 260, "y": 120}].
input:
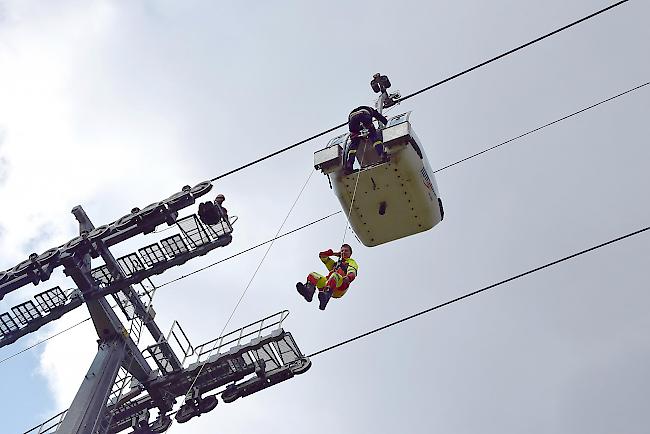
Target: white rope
[
  {"x": 354, "y": 193},
  {"x": 247, "y": 286}
]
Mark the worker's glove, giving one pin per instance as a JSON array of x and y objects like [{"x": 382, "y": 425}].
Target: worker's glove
[
  {"x": 346, "y": 282},
  {"x": 329, "y": 252},
  {"x": 350, "y": 277},
  {"x": 341, "y": 272}
]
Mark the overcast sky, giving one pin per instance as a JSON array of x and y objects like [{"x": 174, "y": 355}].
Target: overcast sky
[{"x": 115, "y": 104}]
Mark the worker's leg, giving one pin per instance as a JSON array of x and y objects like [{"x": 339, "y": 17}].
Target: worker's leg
[
  {"x": 355, "y": 123},
  {"x": 352, "y": 153},
  {"x": 314, "y": 280},
  {"x": 375, "y": 139},
  {"x": 336, "y": 287}
]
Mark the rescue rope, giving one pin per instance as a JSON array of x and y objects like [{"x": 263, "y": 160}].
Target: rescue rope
[
  {"x": 486, "y": 288},
  {"x": 356, "y": 183},
  {"x": 480, "y": 65},
  {"x": 189, "y": 390}
]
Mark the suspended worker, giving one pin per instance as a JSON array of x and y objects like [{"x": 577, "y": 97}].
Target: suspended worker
[
  {"x": 360, "y": 118},
  {"x": 336, "y": 283}
]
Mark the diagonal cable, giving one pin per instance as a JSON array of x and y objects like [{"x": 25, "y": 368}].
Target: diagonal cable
[
  {"x": 542, "y": 127},
  {"x": 478, "y": 291},
  {"x": 232, "y": 314}
]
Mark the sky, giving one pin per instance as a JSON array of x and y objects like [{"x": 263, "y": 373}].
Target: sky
[{"x": 114, "y": 104}]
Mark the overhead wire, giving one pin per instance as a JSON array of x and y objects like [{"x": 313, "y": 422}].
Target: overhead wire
[
  {"x": 542, "y": 127},
  {"x": 521, "y": 47},
  {"x": 44, "y": 340},
  {"x": 478, "y": 291},
  {"x": 425, "y": 89},
  {"x": 338, "y": 212}
]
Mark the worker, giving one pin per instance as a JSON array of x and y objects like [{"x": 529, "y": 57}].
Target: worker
[
  {"x": 341, "y": 273},
  {"x": 212, "y": 213},
  {"x": 360, "y": 118},
  {"x": 218, "y": 202}
]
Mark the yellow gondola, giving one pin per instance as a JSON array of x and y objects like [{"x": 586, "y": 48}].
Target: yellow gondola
[{"x": 389, "y": 198}]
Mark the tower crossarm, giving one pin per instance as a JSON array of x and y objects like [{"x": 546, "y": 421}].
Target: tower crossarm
[{"x": 239, "y": 371}]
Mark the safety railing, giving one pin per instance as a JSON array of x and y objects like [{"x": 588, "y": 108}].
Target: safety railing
[
  {"x": 50, "y": 426},
  {"x": 178, "y": 338},
  {"x": 192, "y": 235},
  {"x": 234, "y": 338}
]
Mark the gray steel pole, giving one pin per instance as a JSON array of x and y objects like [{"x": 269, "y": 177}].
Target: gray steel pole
[
  {"x": 86, "y": 225},
  {"x": 89, "y": 405},
  {"x": 87, "y": 409}
]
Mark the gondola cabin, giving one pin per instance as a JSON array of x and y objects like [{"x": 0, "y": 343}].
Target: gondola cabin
[{"x": 393, "y": 197}]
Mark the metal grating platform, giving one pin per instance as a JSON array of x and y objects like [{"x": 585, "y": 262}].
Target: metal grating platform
[
  {"x": 7, "y": 324},
  {"x": 220, "y": 229},
  {"x": 174, "y": 245},
  {"x": 287, "y": 350},
  {"x": 265, "y": 352},
  {"x": 194, "y": 231},
  {"x": 26, "y": 312},
  {"x": 223, "y": 344},
  {"x": 50, "y": 299},
  {"x": 152, "y": 255},
  {"x": 130, "y": 263},
  {"x": 157, "y": 352},
  {"x": 125, "y": 305},
  {"x": 102, "y": 275}
]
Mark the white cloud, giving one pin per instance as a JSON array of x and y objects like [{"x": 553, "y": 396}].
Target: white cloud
[
  {"x": 63, "y": 146},
  {"x": 66, "y": 359}
]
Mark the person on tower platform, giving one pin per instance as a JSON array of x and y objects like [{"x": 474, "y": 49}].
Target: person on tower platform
[
  {"x": 360, "y": 118},
  {"x": 211, "y": 213},
  {"x": 341, "y": 273}
]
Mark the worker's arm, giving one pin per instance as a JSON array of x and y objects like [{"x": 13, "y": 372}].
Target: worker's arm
[
  {"x": 353, "y": 268},
  {"x": 381, "y": 118},
  {"x": 325, "y": 258}
]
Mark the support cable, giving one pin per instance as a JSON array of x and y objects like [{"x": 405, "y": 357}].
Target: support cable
[
  {"x": 338, "y": 212},
  {"x": 542, "y": 127},
  {"x": 486, "y": 288},
  {"x": 527, "y": 44},
  {"x": 500, "y": 56},
  {"x": 44, "y": 340}
]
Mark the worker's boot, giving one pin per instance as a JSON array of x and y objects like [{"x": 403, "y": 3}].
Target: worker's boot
[
  {"x": 306, "y": 290},
  {"x": 323, "y": 298}
]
